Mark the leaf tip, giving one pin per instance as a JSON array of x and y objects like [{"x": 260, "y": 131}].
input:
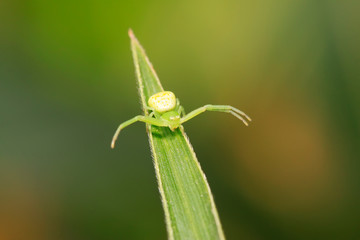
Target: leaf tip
[{"x": 131, "y": 34}]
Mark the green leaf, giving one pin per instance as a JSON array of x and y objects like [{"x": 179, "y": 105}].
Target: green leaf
[{"x": 190, "y": 211}]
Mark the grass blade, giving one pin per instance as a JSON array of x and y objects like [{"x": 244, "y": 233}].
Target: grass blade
[{"x": 190, "y": 211}]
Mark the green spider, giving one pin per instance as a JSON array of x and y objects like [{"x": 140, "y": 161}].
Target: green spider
[{"x": 166, "y": 111}]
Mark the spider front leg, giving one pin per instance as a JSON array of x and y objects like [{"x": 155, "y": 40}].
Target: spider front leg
[
  {"x": 217, "y": 108},
  {"x": 145, "y": 119}
]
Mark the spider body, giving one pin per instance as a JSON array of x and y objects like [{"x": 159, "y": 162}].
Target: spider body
[
  {"x": 172, "y": 119},
  {"x": 166, "y": 111}
]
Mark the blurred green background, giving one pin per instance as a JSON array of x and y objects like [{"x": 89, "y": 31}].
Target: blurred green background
[{"x": 67, "y": 80}]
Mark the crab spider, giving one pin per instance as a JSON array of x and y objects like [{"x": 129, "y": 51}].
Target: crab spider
[{"x": 166, "y": 111}]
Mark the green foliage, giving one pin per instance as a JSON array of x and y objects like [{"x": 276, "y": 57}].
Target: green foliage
[{"x": 189, "y": 207}]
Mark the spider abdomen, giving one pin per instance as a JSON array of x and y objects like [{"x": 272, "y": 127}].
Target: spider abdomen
[{"x": 163, "y": 101}]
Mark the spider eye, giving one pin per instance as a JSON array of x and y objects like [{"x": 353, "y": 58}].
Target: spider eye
[{"x": 163, "y": 101}]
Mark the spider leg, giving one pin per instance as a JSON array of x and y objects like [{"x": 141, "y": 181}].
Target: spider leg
[
  {"x": 153, "y": 112},
  {"x": 140, "y": 118},
  {"x": 217, "y": 108},
  {"x": 181, "y": 110},
  {"x": 149, "y": 108}
]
